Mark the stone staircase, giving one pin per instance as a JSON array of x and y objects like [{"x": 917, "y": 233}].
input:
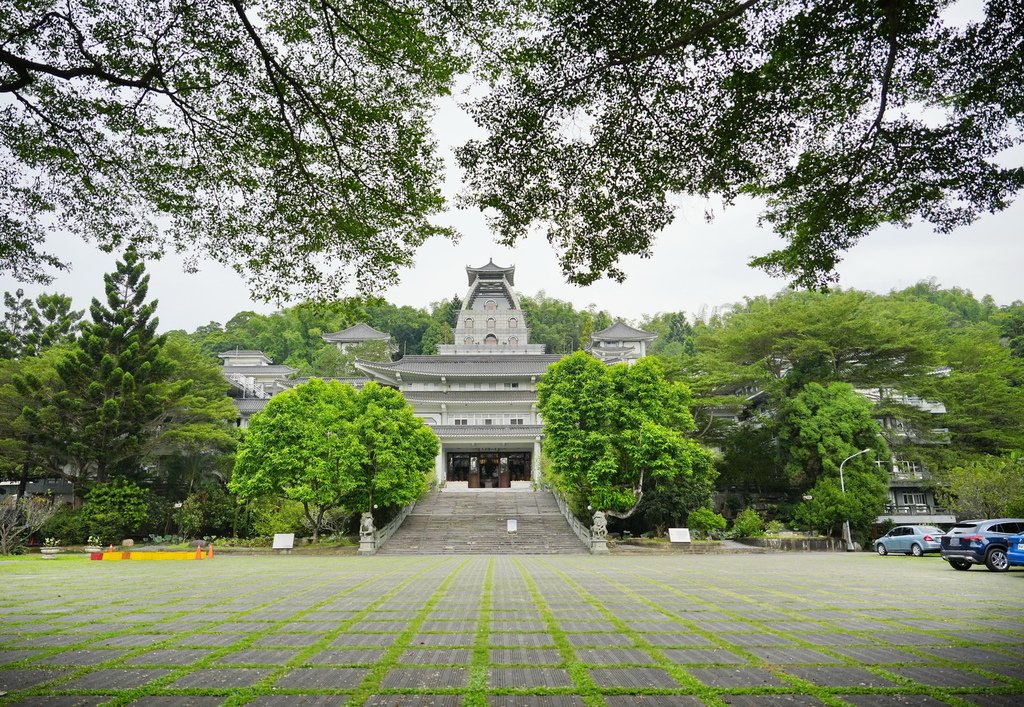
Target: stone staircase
[{"x": 474, "y": 523}]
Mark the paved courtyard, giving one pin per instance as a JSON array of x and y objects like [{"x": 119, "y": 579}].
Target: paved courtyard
[{"x": 782, "y": 629}]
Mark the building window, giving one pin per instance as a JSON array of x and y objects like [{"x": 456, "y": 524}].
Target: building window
[
  {"x": 513, "y": 323},
  {"x": 516, "y": 421},
  {"x": 468, "y": 340},
  {"x": 490, "y": 324},
  {"x": 461, "y": 421},
  {"x": 913, "y": 499},
  {"x": 513, "y": 341},
  {"x": 490, "y": 340},
  {"x": 469, "y": 323},
  {"x": 488, "y": 421},
  {"x": 490, "y": 306},
  {"x": 511, "y": 385}
]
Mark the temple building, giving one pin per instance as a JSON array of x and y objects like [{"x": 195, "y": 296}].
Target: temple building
[
  {"x": 620, "y": 343},
  {"x": 479, "y": 394}
]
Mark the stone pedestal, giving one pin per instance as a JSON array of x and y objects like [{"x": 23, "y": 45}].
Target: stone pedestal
[
  {"x": 599, "y": 534},
  {"x": 367, "y": 535}
]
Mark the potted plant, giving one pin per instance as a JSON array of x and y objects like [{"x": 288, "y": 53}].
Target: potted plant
[
  {"x": 51, "y": 546},
  {"x": 93, "y": 544}
]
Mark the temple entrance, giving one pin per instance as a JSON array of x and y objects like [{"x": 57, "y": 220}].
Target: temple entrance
[{"x": 487, "y": 469}]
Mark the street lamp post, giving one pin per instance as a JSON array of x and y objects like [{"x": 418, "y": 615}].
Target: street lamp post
[{"x": 842, "y": 487}]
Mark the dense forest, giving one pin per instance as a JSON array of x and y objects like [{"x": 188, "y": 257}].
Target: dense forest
[{"x": 777, "y": 388}]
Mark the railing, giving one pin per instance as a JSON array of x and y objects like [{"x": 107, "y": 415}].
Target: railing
[
  {"x": 248, "y": 385},
  {"x": 385, "y": 533},
  {"x": 582, "y": 531},
  {"x": 915, "y": 509}
]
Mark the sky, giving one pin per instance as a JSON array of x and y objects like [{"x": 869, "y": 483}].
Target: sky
[{"x": 694, "y": 267}]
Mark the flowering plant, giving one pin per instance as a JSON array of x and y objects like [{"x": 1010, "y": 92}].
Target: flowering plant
[{"x": 51, "y": 542}]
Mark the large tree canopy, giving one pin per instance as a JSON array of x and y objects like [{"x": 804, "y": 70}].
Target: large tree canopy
[
  {"x": 287, "y": 139},
  {"x": 328, "y": 445},
  {"x": 291, "y": 139},
  {"x": 842, "y": 114},
  {"x": 612, "y": 431}
]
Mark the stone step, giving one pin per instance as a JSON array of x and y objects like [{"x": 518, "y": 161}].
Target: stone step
[{"x": 475, "y": 522}]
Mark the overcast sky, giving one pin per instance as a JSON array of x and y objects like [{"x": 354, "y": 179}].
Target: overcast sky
[{"x": 694, "y": 265}]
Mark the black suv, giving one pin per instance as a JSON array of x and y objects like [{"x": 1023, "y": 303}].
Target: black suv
[{"x": 975, "y": 542}]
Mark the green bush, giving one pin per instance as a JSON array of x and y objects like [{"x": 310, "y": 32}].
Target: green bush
[
  {"x": 748, "y": 524},
  {"x": 706, "y": 522},
  {"x": 271, "y": 515},
  {"x": 67, "y": 524},
  {"x": 115, "y": 510},
  {"x": 774, "y": 527},
  {"x": 208, "y": 511}
]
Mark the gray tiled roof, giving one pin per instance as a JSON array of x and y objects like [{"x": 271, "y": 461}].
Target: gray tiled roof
[
  {"x": 280, "y": 370},
  {"x": 487, "y": 430},
  {"x": 492, "y": 269},
  {"x": 359, "y": 332},
  {"x": 248, "y": 406},
  {"x": 355, "y": 382},
  {"x": 470, "y": 396},
  {"x": 241, "y": 352},
  {"x": 620, "y": 331},
  {"x": 470, "y": 365}
]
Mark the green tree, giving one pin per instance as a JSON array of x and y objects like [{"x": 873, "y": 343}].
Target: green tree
[
  {"x": 611, "y": 430},
  {"x": 115, "y": 510},
  {"x": 13, "y": 328},
  {"x": 51, "y": 321},
  {"x": 989, "y": 487},
  {"x": 27, "y": 452},
  {"x": 196, "y": 437},
  {"x": 29, "y": 328},
  {"x": 114, "y": 382},
  {"x": 818, "y": 429},
  {"x": 843, "y": 335},
  {"x": 328, "y": 446},
  {"x": 821, "y": 426},
  {"x": 601, "y": 112},
  {"x": 331, "y": 362},
  {"x": 289, "y": 140}
]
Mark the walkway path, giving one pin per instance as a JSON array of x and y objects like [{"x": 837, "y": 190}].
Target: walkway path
[{"x": 793, "y": 629}]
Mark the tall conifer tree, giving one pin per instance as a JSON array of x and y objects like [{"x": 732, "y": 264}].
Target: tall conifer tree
[{"x": 115, "y": 390}]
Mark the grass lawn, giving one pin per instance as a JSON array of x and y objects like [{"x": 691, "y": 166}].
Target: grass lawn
[{"x": 769, "y": 629}]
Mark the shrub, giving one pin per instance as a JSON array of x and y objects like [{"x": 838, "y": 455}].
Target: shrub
[
  {"x": 208, "y": 511},
  {"x": 67, "y": 523},
  {"x": 748, "y": 524},
  {"x": 774, "y": 527},
  {"x": 271, "y": 515},
  {"x": 706, "y": 522},
  {"x": 115, "y": 510}
]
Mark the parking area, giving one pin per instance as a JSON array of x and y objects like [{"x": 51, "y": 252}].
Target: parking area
[{"x": 785, "y": 628}]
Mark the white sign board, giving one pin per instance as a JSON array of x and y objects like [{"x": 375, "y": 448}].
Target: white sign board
[
  {"x": 512, "y": 524},
  {"x": 679, "y": 535},
  {"x": 284, "y": 541}
]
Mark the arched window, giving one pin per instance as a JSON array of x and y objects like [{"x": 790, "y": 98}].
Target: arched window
[
  {"x": 513, "y": 341},
  {"x": 490, "y": 323},
  {"x": 513, "y": 323},
  {"x": 491, "y": 340},
  {"x": 468, "y": 340},
  {"x": 469, "y": 323},
  {"x": 490, "y": 306}
]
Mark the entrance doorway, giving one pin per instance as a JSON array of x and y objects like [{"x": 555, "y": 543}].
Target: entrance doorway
[{"x": 489, "y": 469}]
